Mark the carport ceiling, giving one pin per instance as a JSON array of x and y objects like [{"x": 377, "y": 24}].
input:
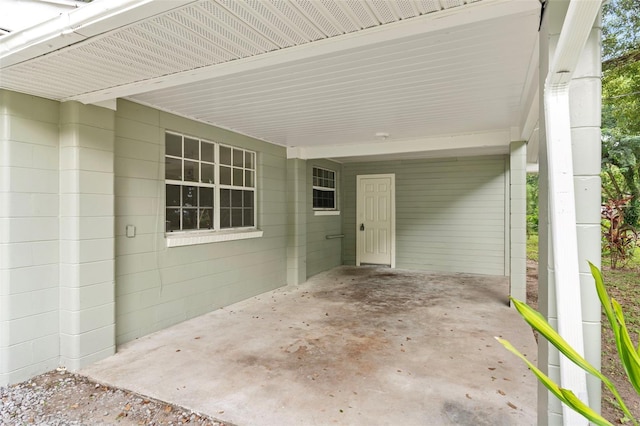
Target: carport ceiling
[{"x": 308, "y": 74}]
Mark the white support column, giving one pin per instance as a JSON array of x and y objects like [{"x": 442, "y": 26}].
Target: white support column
[
  {"x": 518, "y": 219},
  {"x": 87, "y": 286},
  {"x": 583, "y": 101},
  {"x": 297, "y": 221}
]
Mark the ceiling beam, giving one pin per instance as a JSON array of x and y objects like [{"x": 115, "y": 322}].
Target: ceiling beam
[
  {"x": 497, "y": 139},
  {"x": 469, "y": 14}
]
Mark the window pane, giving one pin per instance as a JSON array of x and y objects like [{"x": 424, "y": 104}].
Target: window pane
[
  {"x": 225, "y": 175},
  {"x": 189, "y": 196},
  {"x": 236, "y": 218},
  {"x": 206, "y": 197},
  {"x": 191, "y": 172},
  {"x": 172, "y": 222},
  {"x": 172, "y": 168},
  {"x": 173, "y": 195},
  {"x": 207, "y": 172},
  {"x": 237, "y": 177},
  {"x": 323, "y": 199},
  {"x": 225, "y": 218},
  {"x": 225, "y": 198},
  {"x": 248, "y": 217},
  {"x": 208, "y": 152},
  {"x": 191, "y": 148},
  {"x": 206, "y": 218},
  {"x": 248, "y": 178},
  {"x": 248, "y": 160},
  {"x": 238, "y": 158},
  {"x": 331, "y": 182},
  {"x": 189, "y": 218},
  {"x": 225, "y": 155},
  {"x": 236, "y": 198},
  {"x": 248, "y": 198},
  {"x": 173, "y": 145}
]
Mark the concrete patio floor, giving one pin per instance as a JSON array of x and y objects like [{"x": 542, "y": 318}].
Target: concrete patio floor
[{"x": 351, "y": 346}]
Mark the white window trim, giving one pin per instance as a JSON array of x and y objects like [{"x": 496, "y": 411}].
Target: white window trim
[
  {"x": 318, "y": 212},
  {"x": 323, "y": 211},
  {"x": 204, "y": 236},
  {"x": 179, "y": 239}
]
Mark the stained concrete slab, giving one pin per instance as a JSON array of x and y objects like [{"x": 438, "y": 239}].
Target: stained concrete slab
[{"x": 351, "y": 346}]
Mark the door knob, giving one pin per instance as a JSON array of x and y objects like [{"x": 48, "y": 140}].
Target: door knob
[{"x": 362, "y": 226}]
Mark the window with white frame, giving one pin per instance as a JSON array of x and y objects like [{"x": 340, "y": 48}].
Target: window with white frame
[
  {"x": 324, "y": 189},
  {"x": 209, "y": 186}
]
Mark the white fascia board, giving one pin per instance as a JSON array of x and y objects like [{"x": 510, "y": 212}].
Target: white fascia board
[
  {"x": 450, "y": 18},
  {"x": 530, "y": 123},
  {"x": 111, "y": 104},
  {"x": 530, "y": 97},
  {"x": 77, "y": 25},
  {"x": 390, "y": 147}
]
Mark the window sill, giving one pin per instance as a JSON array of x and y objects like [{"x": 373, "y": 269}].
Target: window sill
[
  {"x": 326, "y": 212},
  {"x": 205, "y": 237}
]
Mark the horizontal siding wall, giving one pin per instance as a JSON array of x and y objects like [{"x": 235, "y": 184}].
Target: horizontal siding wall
[
  {"x": 29, "y": 233},
  {"x": 158, "y": 286},
  {"x": 322, "y": 253},
  {"x": 449, "y": 213}
]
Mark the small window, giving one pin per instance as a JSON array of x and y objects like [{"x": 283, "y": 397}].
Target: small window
[
  {"x": 324, "y": 189},
  {"x": 205, "y": 194}
]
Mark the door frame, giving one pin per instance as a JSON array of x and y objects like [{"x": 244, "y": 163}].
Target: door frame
[{"x": 392, "y": 215}]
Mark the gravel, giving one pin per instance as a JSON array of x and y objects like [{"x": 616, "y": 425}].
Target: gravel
[{"x": 59, "y": 398}]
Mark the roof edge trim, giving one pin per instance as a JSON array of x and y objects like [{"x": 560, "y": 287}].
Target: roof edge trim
[{"x": 79, "y": 24}]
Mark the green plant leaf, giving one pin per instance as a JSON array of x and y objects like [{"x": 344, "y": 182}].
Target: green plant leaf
[
  {"x": 605, "y": 301},
  {"x": 576, "y": 404},
  {"x": 539, "y": 323},
  {"x": 564, "y": 395},
  {"x": 544, "y": 379},
  {"x": 628, "y": 355}
]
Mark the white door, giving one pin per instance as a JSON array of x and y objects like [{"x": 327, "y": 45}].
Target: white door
[{"x": 375, "y": 225}]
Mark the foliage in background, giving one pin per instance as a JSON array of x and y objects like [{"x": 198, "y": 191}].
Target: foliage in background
[
  {"x": 621, "y": 105},
  {"x": 621, "y": 172},
  {"x": 618, "y": 238},
  {"x": 621, "y": 66},
  {"x": 629, "y": 355},
  {"x": 532, "y": 204},
  {"x": 532, "y": 247}
]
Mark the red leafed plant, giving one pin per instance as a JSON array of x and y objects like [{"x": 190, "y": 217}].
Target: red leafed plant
[{"x": 618, "y": 238}]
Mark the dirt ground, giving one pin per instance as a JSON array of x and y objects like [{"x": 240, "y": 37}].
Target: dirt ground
[
  {"x": 611, "y": 366},
  {"x": 61, "y": 398}
]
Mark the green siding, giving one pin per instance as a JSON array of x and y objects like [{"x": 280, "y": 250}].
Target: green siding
[
  {"x": 449, "y": 213},
  {"x": 322, "y": 253},
  {"x": 29, "y": 236},
  {"x": 157, "y": 286}
]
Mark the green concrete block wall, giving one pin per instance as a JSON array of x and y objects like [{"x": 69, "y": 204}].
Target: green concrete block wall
[
  {"x": 29, "y": 233},
  {"x": 323, "y": 254},
  {"x": 449, "y": 213},
  {"x": 158, "y": 286}
]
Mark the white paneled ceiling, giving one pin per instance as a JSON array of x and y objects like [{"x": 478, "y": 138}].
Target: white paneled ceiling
[
  {"x": 446, "y": 82},
  {"x": 463, "y": 77}
]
